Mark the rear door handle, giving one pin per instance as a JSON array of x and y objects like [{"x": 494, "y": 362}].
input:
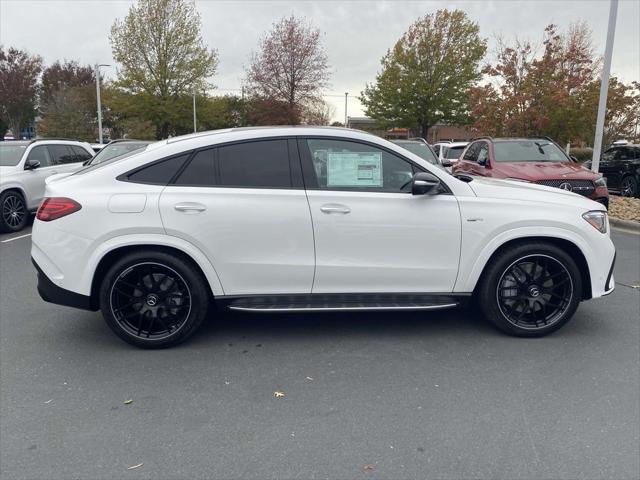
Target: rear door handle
[
  {"x": 190, "y": 207},
  {"x": 335, "y": 208}
]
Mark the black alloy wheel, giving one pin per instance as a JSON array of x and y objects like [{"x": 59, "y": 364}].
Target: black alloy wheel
[
  {"x": 530, "y": 288},
  {"x": 534, "y": 292},
  {"x": 628, "y": 187},
  {"x": 14, "y": 212},
  {"x": 154, "y": 299},
  {"x": 150, "y": 300}
]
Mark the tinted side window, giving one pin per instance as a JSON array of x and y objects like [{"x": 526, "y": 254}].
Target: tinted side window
[
  {"x": 200, "y": 170},
  {"x": 344, "y": 165},
  {"x": 483, "y": 153},
  {"x": 624, "y": 154},
  {"x": 159, "y": 173},
  {"x": 40, "y": 154},
  {"x": 80, "y": 153},
  {"x": 61, "y": 154},
  {"x": 471, "y": 154},
  {"x": 263, "y": 163}
]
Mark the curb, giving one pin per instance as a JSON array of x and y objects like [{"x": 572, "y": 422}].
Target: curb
[{"x": 626, "y": 224}]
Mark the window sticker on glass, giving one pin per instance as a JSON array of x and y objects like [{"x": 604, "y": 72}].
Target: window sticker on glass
[{"x": 351, "y": 169}]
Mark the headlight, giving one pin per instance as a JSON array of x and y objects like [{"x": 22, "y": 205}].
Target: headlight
[
  {"x": 601, "y": 182},
  {"x": 517, "y": 180},
  {"x": 597, "y": 219}
]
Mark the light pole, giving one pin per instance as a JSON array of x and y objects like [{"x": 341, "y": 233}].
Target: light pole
[
  {"x": 604, "y": 86},
  {"x": 346, "y": 94},
  {"x": 195, "y": 129},
  {"x": 98, "y": 99}
]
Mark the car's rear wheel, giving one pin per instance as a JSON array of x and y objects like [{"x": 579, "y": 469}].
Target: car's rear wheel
[
  {"x": 14, "y": 213},
  {"x": 629, "y": 187},
  {"x": 153, "y": 300},
  {"x": 530, "y": 289}
]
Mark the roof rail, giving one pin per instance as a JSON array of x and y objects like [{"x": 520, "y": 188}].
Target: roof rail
[
  {"x": 483, "y": 137},
  {"x": 55, "y": 138}
]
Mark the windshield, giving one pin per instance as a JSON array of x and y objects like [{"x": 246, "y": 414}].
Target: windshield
[
  {"x": 115, "y": 150},
  {"x": 421, "y": 149},
  {"x": 453, "y": 153},
  {"x": 93, "y": 166},
  {"x": 10, "y": 155},
  {"x": 528, "y": 151}
]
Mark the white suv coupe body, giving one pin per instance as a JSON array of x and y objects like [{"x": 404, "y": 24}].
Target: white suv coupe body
[
  {"x": 308, "y": 219},
  {"x": 24, "y": 167}
]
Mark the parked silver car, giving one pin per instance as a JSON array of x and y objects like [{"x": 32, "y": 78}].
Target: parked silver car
[{"x": 24, "y": 167}]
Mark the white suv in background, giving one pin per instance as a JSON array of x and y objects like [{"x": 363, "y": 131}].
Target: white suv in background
[
  {"x": 310, "y": 219},
  {"x": 24, "y": 167}
]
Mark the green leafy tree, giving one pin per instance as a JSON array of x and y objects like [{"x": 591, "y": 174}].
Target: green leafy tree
[
  {"x": 19, "y": 73},
  {"x": 162, "y": 58},
  {"x": 425, "y": 77}
]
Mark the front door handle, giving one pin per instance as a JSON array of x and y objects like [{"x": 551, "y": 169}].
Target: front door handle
[
  {"x": 190, "y": 207},
  {"x": 335, "y": 208}
]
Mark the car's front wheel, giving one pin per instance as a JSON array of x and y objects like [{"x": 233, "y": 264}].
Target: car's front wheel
[
  {"x": 14, "y": 212},
  {"x": 153, "y": 299},
  {"x": 530, "y": 289}
]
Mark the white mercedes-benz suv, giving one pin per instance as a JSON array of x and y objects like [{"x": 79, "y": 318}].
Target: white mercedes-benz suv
[
  {"x": 24, "y": 167},
  {"x": 310, "y": 219}
]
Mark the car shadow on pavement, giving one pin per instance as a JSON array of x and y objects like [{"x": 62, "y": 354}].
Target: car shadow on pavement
[{"x": 340, "y": 325}]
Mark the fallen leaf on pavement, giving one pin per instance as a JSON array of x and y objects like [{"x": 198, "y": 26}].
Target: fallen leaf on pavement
[
  {"x": 133, "y": 467},
  {"x": 278, "y": 394},
  {"x": 367, "y": 467},
  {"x": 309, "y": 378},
  {"x": 128, "y": 402},
  {"x": 48, "y": 401}
]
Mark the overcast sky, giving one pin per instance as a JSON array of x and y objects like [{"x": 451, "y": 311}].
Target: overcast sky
[{"x": 356, "y": 33}]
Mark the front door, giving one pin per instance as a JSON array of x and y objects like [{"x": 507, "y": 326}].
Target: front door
[
  {"x": 371, "y": 233},
  {"x": 243, "y": 205}
]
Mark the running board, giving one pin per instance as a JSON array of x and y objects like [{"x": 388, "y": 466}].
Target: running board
[{"x": 341, "y": 302}]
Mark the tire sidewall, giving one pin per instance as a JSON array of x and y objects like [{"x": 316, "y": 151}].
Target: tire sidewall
[
  {"x": 487, "y": 292},
  {"x": 197, "y": 286}
]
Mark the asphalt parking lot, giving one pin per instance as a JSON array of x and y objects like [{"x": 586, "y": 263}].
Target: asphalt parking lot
[{"x": 403, "y": 395}]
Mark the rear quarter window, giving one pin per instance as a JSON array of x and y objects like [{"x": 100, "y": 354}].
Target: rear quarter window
[{"x": 157, "y": 173}]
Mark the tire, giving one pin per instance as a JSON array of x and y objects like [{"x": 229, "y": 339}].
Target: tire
[
  {"x": 13, "y": 212},
  {"x": 629, "y": 187},
  {"x": 530, "y": 289},
  {"x": 154, "y": 299}
]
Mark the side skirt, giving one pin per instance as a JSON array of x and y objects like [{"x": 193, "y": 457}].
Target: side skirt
[{"x": 319, "y": 302}]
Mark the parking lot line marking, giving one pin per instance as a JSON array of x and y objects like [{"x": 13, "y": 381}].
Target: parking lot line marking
[{"x": 15, "y": 238}]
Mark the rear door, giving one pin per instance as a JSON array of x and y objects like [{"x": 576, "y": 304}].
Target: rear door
[{"x": 244, "y": 206}]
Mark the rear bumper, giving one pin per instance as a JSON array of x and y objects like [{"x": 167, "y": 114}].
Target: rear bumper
[{"x": 52, "y": 293}]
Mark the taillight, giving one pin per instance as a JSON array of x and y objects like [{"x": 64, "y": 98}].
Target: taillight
[{"x": 56, "y": 207}]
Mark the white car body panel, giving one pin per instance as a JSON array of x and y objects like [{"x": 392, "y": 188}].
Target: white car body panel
[
  {"x": 382, "y": 244},
  {"x": 261, "y": 241}
]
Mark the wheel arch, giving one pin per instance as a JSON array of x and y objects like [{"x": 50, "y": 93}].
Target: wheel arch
[
  {"x": 118, "y": 252},
  {"x": 15, "y": 188},
  {"x": 566, "y": 245}
]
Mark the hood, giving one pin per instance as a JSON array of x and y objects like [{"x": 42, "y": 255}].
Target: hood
[
  {"x": 544, "y": 171},
  {"x": 512, "y": 190}
]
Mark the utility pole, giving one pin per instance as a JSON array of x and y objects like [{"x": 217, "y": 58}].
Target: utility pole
[
  {"x": 604, "y": 86},
  {"x": 97, "y": 74},
  {"x": 346, "y": 94},
  {"x": 195, "y": 129}
]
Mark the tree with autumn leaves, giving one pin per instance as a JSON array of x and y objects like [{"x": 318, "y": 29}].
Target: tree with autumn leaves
[{"x": 553, "y": 94}]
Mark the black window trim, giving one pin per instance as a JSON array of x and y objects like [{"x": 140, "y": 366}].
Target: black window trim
[
  {"x": 124, "y": 177},
  {"x": 309, "y": 174}
]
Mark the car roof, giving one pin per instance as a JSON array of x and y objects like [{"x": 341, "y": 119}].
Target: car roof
[{"x": 20, "y": 143}]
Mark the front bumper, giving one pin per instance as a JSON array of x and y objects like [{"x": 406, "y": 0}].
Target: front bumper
[{"x": 52, "y": 293}]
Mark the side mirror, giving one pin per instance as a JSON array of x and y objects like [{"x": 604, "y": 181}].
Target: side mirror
[
  {"x": 424, "y": 183},
  {"x": 483, "y": 162},
  {"x": 31, "y": 164},
  {"x": 446, "y": 162}
]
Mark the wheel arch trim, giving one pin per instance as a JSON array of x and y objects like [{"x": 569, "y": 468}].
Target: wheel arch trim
[
  {"x": 141, "y": 241},
  {"x": 467, "y": 281}
]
